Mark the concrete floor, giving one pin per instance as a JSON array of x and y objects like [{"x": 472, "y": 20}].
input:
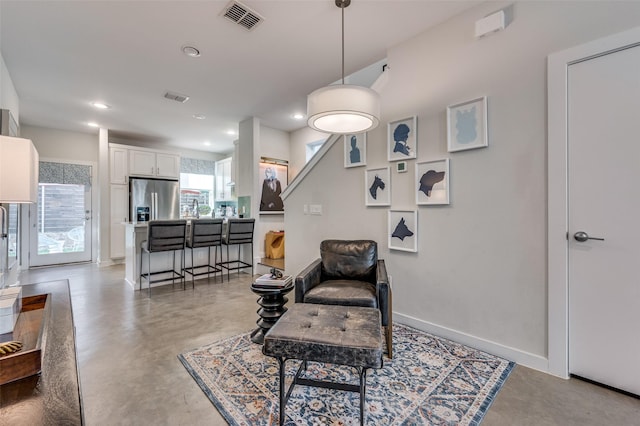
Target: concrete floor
[{"x": 128, "y": 344}]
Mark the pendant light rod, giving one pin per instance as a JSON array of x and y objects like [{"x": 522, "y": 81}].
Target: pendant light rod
[
  {"x": 343, "y": 108},
  {"x": 342, "y": 4}
]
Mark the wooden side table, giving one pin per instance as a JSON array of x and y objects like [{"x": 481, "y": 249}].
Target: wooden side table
[{"x": 271, "y": 301}]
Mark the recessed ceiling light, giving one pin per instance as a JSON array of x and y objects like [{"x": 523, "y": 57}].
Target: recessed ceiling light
[
  {"x": 100, "y": 105},
  {"x": 92, "y": 124},
  {"x": 199, "y": 116},
  {"x": 207, "y": 143},
  {"x": 231, "y": 132},
  {"x": 298, "y": 116},
  {"x": 191, "y": 51}
]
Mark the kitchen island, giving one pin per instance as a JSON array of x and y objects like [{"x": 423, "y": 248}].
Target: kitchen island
[{"x": 135, "y": 234}]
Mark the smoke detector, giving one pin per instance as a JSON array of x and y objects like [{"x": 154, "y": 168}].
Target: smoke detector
[{"x": 242, "y": 15}]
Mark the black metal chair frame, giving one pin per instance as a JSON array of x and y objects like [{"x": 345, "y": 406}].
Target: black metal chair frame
[
  {"x": 199, "y": 239},
  {"x": 174, "y": 243},
  {"x": 238, "y": 238}
]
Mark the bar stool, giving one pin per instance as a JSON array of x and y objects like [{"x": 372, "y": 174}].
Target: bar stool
[
  {"x": 205, "y": 233},
  {"x": 239, "y": 232},
  {"x": 164, "y": 235}
]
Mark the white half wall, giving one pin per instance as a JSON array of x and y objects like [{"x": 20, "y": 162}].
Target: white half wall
[{"x": 480, "y": 273}]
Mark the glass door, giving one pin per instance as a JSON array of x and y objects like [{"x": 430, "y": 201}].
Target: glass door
[{"x": 61, "y": 219}]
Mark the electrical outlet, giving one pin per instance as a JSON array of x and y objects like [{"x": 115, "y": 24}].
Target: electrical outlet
[{"x": 316, "y": 209}]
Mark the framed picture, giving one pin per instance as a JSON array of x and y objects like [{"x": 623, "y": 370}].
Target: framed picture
[
  {"x": 402, "y": 137},
  {"x": 403, "y": 230},
  {"x": 377, "y": 187},
  {"x": 355, "y": 150},
  {"x": 467, "y": 125},
  {"x": 274, "y": 175},
  {"x": 432, "y": 182}
]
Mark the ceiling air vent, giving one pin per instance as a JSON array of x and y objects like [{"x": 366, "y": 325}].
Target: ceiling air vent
[
  {"x": 176, "y": 97},
  {"x": 242, "y": 15}
]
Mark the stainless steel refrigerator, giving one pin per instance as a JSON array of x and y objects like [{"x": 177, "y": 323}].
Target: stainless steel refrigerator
[{"x": 152, "y": 199}]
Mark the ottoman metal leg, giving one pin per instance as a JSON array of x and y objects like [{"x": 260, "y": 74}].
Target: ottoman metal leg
[
  {"x": 283, "y": 393},
  {"x": 363, "y": 383}
]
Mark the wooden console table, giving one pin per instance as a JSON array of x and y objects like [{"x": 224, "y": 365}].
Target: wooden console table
[{"x": 53, "y": 397}]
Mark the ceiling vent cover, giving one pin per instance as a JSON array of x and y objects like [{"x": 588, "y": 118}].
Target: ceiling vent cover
[
  {"x": 242, "y": 15},
  {"x": 176, "y": 97}
]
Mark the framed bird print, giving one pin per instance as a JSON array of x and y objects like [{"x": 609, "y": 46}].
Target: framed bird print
[
  {"x": 403, "y": 230},
  {"x": 432, "y": 182},
  {"x": 377, "y": 187}
]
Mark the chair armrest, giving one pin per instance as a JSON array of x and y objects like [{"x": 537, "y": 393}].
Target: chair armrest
[
  {"x": 307, "y": 279},
  {"x": 383, "y": 292}
]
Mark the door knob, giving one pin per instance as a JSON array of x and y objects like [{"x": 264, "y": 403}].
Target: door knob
[{"x": 582, "y": 236}]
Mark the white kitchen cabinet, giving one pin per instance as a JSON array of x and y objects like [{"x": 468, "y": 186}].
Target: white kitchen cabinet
[
  {"x": 224, "y": 191},
  {"x": 154, "y": 164},
  {"x": 118, "y": 169},
  {"x": 119, "y": 215},
  {"x": 167, "y": 165}
]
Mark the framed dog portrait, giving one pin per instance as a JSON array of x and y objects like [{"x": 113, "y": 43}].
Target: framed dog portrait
[
  {"x": 432, "y": 182},
  {"x": 355, "y": 150},
  {"x": 467, "y": 125},
  {"x": 403, "y": 230},
  {"x": 377, "y": 187},
  {"x": 402, "y": 138}
]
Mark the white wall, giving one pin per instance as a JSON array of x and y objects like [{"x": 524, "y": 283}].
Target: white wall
[
  {"x": 480, "y": 271},
  {"x": 298, "y": 148},
  {"x": 8, "y": 95},
  {"x": 62, "y": 144}
]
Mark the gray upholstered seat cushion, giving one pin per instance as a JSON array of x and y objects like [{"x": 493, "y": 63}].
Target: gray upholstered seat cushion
[
  {"x": 344, "y": 335},
  {"x": 343, "y": 292}
]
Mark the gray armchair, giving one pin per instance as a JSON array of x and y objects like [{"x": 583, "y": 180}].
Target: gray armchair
[{"x": 348, "y": 273}]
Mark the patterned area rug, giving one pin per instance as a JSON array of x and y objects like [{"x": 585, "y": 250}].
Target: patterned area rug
[{"x": 430, "y": 381}]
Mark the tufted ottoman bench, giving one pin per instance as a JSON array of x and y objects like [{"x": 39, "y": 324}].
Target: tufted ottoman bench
[{"x": 346, "y": 335}]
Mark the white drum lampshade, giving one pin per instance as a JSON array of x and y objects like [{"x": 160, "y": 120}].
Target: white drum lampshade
[
  {"x": 343, "y": 108},
  {"x": 18, "y": 170}
]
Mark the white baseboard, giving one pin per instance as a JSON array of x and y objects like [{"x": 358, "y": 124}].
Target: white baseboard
[{"x": 527, "y": 359}]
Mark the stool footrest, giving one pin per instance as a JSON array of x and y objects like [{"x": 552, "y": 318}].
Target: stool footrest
[
  {"x": 175, "y": 274},
  {"x": 211, "y": 269},
  {"x": 240, "y": 265}
]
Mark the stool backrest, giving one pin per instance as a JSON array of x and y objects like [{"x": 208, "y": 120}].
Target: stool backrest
[
  {"x": 205, "y": 233},
  {"x": 165, "y": 235},
  {"x": 239, "y": 231}
]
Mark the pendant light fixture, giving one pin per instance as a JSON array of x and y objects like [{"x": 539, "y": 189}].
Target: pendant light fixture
[{"x": 343, "y": 108}]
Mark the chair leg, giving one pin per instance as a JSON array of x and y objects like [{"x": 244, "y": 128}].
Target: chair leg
[
  {"x": 238, "y": 260},
  {"x": 208, "y": 265},
  {"x": 389, "y": 338},
  {"x": 192, "y": 282},
  {"x": 140, "y": 272},
  {"x": 149, "y": 272}
]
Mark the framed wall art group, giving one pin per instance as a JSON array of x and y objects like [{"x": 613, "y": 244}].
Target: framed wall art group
[{"x": 466, "y": 129}]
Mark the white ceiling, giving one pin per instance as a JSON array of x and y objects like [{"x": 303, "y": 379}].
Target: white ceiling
[{"x": 62, "y": 55}]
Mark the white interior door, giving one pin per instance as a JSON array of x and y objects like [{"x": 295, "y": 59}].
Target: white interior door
[{"x": 604, "y": 202}]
